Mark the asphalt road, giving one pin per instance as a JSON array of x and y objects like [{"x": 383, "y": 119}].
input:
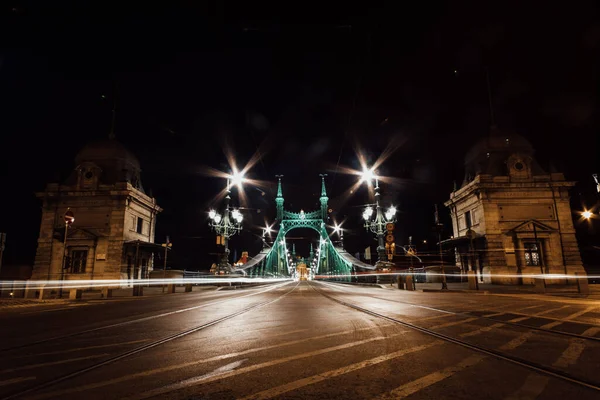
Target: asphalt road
[{"x": 304, "y": 340}]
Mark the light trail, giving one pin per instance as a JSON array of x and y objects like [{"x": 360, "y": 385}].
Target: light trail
[{"x": 102, "y": 283}]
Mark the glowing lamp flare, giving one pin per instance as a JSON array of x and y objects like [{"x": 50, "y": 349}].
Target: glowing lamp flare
[
  {"x": 587, "y": 214},
  {"x": 217, "y": 219},
  {"x": 212, "y": 214},
  {"x": 237, "y": 178},
  {"x": 367, "y": 175}
]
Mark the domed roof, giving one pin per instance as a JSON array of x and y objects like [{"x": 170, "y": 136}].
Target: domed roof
[
  {"x": 499, "y": 141},
  {"x": 115, "y": 163},
  {"x": 490, "y": 154},
  {"x": 107, "y": 150}
]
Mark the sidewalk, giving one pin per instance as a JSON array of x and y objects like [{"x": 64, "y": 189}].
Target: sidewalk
[{"x": 551, "y": 290}]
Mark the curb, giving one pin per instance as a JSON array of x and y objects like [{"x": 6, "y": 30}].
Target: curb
[{"x": 454, "y": 291}]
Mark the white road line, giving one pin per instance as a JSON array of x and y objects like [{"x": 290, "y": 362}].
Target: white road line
[
  {"x": 251, "y": 368},
  {"x": 591, "y": 331},
  {"x": 47, "y": 364},
  {"x": 194, "y": 363},
  {"x": 464, "y": 321},
  {"x": 535, "y": 384},
  {"x": 516, "y": 342},
  {"x": 478, "y": 331},
  {"x": 580, "y": 313},
  {"x": 82, "y": 349},
  {"x": 571, "y": 354},
  {"x": 551, "y": 324},
  {"x": 435, "y": 317},
  {"x": 17, "y": 380},
  {"x": 431, "y": 379},
  {"x": 549, "y": 311},
  {"x": 493, "y": 315},
  {"x": 428, "y": 380},
  {"x": 276, "y": 391},
  {"x": 530, "y": 307},
  {"x": 272, "y": 392}
]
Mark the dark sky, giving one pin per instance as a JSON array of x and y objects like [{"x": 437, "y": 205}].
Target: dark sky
[{"x": 304, "y": 86}]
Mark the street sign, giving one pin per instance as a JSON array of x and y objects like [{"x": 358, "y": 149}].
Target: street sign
[
  {"x": 69, "y": 217},
  {"x": 389, "y": 226},
  {"x": 389, "y": 238}
]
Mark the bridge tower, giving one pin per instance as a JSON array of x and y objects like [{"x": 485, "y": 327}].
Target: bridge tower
[
  {"x": 279, "y": 199},
  {"x": 324, "y": 199}
]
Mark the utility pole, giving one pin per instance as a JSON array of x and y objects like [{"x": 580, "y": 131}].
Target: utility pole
[
  {"x": 439, "y": 228},
  {"x": 165, "y": 265},
  {"x": 69, "y": 219},
  {"x": 2, "y": 245}
]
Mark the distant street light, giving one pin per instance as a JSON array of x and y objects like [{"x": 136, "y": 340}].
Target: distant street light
[
  {"x": 379, "y": 223},
  {"x": 587, "y": 214},
  {"x": 228, "y": 224}
]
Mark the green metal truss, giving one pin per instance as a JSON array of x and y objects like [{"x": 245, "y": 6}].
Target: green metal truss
[{"x": 328, "y": 261}]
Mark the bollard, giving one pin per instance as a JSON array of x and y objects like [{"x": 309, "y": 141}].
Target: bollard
[
  {"x": 138, "y": 290},
  {"x": 540, "y": 285},
  {"x": 106, "y": 293},
  {"x": 409, "y": 283},
  {"x": 44, "y": 293},
  {"x": 75, "y": 294},
  {"x": 170, "y": 288},
  {"x": 582, "y": 284},
  {"x": 400, "y": 282},
  {"x": 30, "y": 291},
  {"x": 188, "y": 287},
  {"x": 472, "y": 277}
]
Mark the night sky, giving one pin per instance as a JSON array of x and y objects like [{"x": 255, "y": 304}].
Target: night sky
[{"x": 304, "y": 87}]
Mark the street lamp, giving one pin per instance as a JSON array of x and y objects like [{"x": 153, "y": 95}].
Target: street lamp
[
  {"x": 338, "y": 229},
  {"x": 378, "y": 224},
  {"x": 586, "y": 214},
  {"x": 228, "y": 224}
]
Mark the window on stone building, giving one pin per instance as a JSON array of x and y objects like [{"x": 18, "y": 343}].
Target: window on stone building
[
  {"x": 532, "y": 254},
  {"x": 78, "y": 261},
  {"x": 140, "y": 225},
  {"x": 468, "y": 221}
]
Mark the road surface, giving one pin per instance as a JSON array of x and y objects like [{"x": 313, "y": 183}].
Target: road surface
[{"x": 304, "y": 340}]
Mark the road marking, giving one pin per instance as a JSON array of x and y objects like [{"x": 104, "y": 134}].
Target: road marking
[
  {"x": 272, "y": 392},
  {"x": 535, "y": 384},
  {"x": 591, "y": 331},
  {"x": 580, "y": 313},
  {"x": 478, "y": 331},
  {"x": 431, "y": 379},
  {"x": 170, "y": 388},
  {"x": 47, "y": 364},
  {"x": 516, "y": 342},
  {"x": 435, "y": 317},
  {"x": 518, "y": 319},
  {"x": 530, "y": 307},
  {"x": 276, "y": 391},
  {"x": 549, "y": 311},
  {"x": 16, "y": 380},
  {"x": 551, "y": 324},
  {"x": 571, "y": 354},
  {"x": 194, "y": 363},
  {"x": 493, "y": 315},
  {"x": 82, "y": 348},
  {"x": 464, "y": 321}
]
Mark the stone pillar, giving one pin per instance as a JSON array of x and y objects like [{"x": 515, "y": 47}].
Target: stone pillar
[
  {"x": 472, "y": 277},
  {"x": 106, "y": 293},
  {"x": 75, "y": 294},
  {"x": 409, "y": 283},
  {"x": 188, "y": 287},
  {"x": 170, "y": 288},
  {"x": 400, "y": 282},
  {"x": 582, "y": 284}
]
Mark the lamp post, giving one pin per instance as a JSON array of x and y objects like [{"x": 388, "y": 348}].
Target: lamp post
[
  {"x": 378, "y": 224},
  {"x": 226, "y": 225},
  {"x": 338, "y": 229},
  {"x": 69, "y": 218}
]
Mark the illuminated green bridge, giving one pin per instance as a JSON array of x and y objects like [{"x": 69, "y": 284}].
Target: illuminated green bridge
[{"x": 275, "y": 259}]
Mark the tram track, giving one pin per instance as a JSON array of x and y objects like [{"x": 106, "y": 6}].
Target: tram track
[
  {"x": 470, "y": 315},
  {"x": 140, "y": 349},
  {"x": 531, "y": 365},
  {"x": 134, "y": 321}
]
